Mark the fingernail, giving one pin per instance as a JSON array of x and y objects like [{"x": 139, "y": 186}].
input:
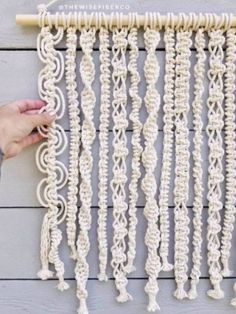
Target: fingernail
[{"x": 51, "y": 113}]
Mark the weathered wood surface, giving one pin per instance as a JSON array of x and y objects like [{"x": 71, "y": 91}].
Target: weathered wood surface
[
  {"x": 23, "y": 185},
  {"x": 19, "y": 242},
  {"x": 37, "y": 297},
  {"x": 21, "y": 214}
]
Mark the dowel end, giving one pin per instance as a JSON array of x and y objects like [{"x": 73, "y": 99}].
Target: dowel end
[{"x": 27, "y": 19}]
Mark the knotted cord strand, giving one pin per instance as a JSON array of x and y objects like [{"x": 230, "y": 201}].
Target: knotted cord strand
[
  {"x": 120, "y": 152},
  {"x": 149, "y": 159},
  {"x": 88, "y": 99},
  {"x": 181, "y": 187},
  {"x": 199, "y": 71},
  {"x": 230, "y": 150},
  {"x": 105, "y": 79},
  {"x": 176, "y": 111},
  {"x": 136, "y": 145},
  {"x": 216, "y": 152},
  {"x": 168, "y": 139},
  {"x": 73, "y": 105},
  {"x": 46, "y": 157}
]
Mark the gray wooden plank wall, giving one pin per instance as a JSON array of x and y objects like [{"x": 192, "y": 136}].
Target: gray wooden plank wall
[{"x": 21, "y": 214}]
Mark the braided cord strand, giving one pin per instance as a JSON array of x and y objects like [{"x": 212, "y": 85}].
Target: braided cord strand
[
  {"x": 74, "y": 118},
  {"x": 230, "y": 137},
  {"x": 46, "y": 156},
  {"x": 120, "y": 153},
  {"x": 136, "y": 146},
  {"x": 149, "y": 159},
  {"x": 199, "y": 72},
  {"x": 230, "y": 150},
  {"x": 168, "y": 108},
  {"x": 105, "y": 79},
  {"x": 216, "y": 152},
  {"x": 88, "y": 99},
  {"x": 182, "y": 155}
]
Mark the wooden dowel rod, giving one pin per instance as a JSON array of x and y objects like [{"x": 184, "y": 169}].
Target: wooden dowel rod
[{"x": 33, "y": 19}]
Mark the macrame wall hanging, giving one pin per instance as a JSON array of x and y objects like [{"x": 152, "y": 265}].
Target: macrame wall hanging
[{"x": 180, "y": 33}]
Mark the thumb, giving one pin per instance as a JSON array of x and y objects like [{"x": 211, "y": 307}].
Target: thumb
[{"x": 41, "y": 119}]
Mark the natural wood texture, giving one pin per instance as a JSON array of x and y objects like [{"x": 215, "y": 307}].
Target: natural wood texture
[
  {"x": 20, "y": 240},
  {"x": 22, "y": 186},
  {"x": 33, "y": 20},
  {"x": 37, "y": 297}
]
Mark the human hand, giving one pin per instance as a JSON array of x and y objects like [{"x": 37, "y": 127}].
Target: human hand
[{"x": 17, "y": 121}]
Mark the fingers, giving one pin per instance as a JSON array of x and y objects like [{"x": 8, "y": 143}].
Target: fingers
[
  {"x": 30, "y": 112},
  {"x": 16, "y": 147},
  {"x": 30, "y": 140},
  {"x": 25, "y": 105},
  {"x": 40, "y": 119}
]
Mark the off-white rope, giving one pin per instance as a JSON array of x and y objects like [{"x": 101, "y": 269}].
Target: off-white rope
[
  {"x": 181, "y": 188},
  {"x": 168, "y": 138},
  {"x": 216, "y": 152},
  {"x": 176, "y": 105},
  {"x": 120, "y": 152},
  {"x": 199, "y": 71},
  {"x": 88, "y": 99},
  {"x": 136, "y": 145},
  {"x": 230, "y": 129},
  {"x": 46, "y": 157},
  {"x": 149, "y": 159},
  {"x": 105, "y": 79},
  {"x": 230, "y": 150},
  {"x": 73, "y": 105}
]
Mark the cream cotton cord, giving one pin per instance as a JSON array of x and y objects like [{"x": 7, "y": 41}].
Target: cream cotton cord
[
  {"x": 181, "y": 187},
  {"x": 216, "y": 152},
  {"x": 120, "y": 152},
  {"x": 88, "y": 99},
  {"x": 117, "y": 68},
  {"x": 168, "y": 139},
  {"x": 149, "y": 159},
  {"x": 46, "y": 157},
  {"x": 73, "y": 105},
  {"x": 199, "y": 71},
  {"x": 105, "y": 79},
  {"x": 135, "y": 141},
  {"x": 230, "y": 129},
  {"x": 230, "y": 150}
]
